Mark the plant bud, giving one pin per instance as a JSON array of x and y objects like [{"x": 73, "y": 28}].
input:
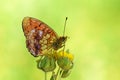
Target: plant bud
[
  {"x": 65, "y": 73},
  {"x": 65, "y": 63},
  {"x": 47, "y": 64}
]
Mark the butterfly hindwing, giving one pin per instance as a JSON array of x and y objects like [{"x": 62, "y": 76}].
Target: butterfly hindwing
[{"x": 39, "y": 36}]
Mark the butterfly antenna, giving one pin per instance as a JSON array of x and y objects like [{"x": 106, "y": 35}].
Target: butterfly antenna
[
  {"x": 65, "y": 26},
  {"x": 64, "y": 32}
]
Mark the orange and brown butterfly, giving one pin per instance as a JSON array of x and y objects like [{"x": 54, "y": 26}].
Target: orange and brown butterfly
[{"x": 40, "y": 38}]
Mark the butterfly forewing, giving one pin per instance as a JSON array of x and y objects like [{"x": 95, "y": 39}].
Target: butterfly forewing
[{"x": 39, "y": 36}]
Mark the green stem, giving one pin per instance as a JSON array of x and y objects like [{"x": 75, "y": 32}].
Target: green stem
[
  {"x": 60, "y": 74},
  {"x": 45, "y": 75},
  {"x": 57, "y": 73}
]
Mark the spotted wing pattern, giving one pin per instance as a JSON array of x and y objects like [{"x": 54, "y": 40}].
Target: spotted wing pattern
[{"x": 39, "y": 36}]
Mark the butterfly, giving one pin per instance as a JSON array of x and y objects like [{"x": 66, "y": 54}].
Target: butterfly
[{"x": 40, "y": 38}]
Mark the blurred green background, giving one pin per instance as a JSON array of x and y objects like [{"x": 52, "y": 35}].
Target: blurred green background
[{"x": 93, "y": 27}]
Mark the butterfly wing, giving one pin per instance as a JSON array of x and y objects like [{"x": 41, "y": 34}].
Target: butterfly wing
[{"x": 39, "y": 36}]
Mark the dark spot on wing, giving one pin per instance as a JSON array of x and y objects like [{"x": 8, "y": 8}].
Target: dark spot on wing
[{"x": 40, "y": 24}]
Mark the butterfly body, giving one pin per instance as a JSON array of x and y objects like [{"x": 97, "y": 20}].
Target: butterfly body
[{"x": 40, "y": 38}]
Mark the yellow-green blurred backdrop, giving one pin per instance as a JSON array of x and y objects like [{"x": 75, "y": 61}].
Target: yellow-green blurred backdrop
[{"x": 93, "y": 27}]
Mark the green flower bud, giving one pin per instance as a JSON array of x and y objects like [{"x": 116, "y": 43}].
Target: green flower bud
[
  {"x": 65, "y": 73},
  {"x": 47, "y": 64},
  {"x": 65, "y": 63}
]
